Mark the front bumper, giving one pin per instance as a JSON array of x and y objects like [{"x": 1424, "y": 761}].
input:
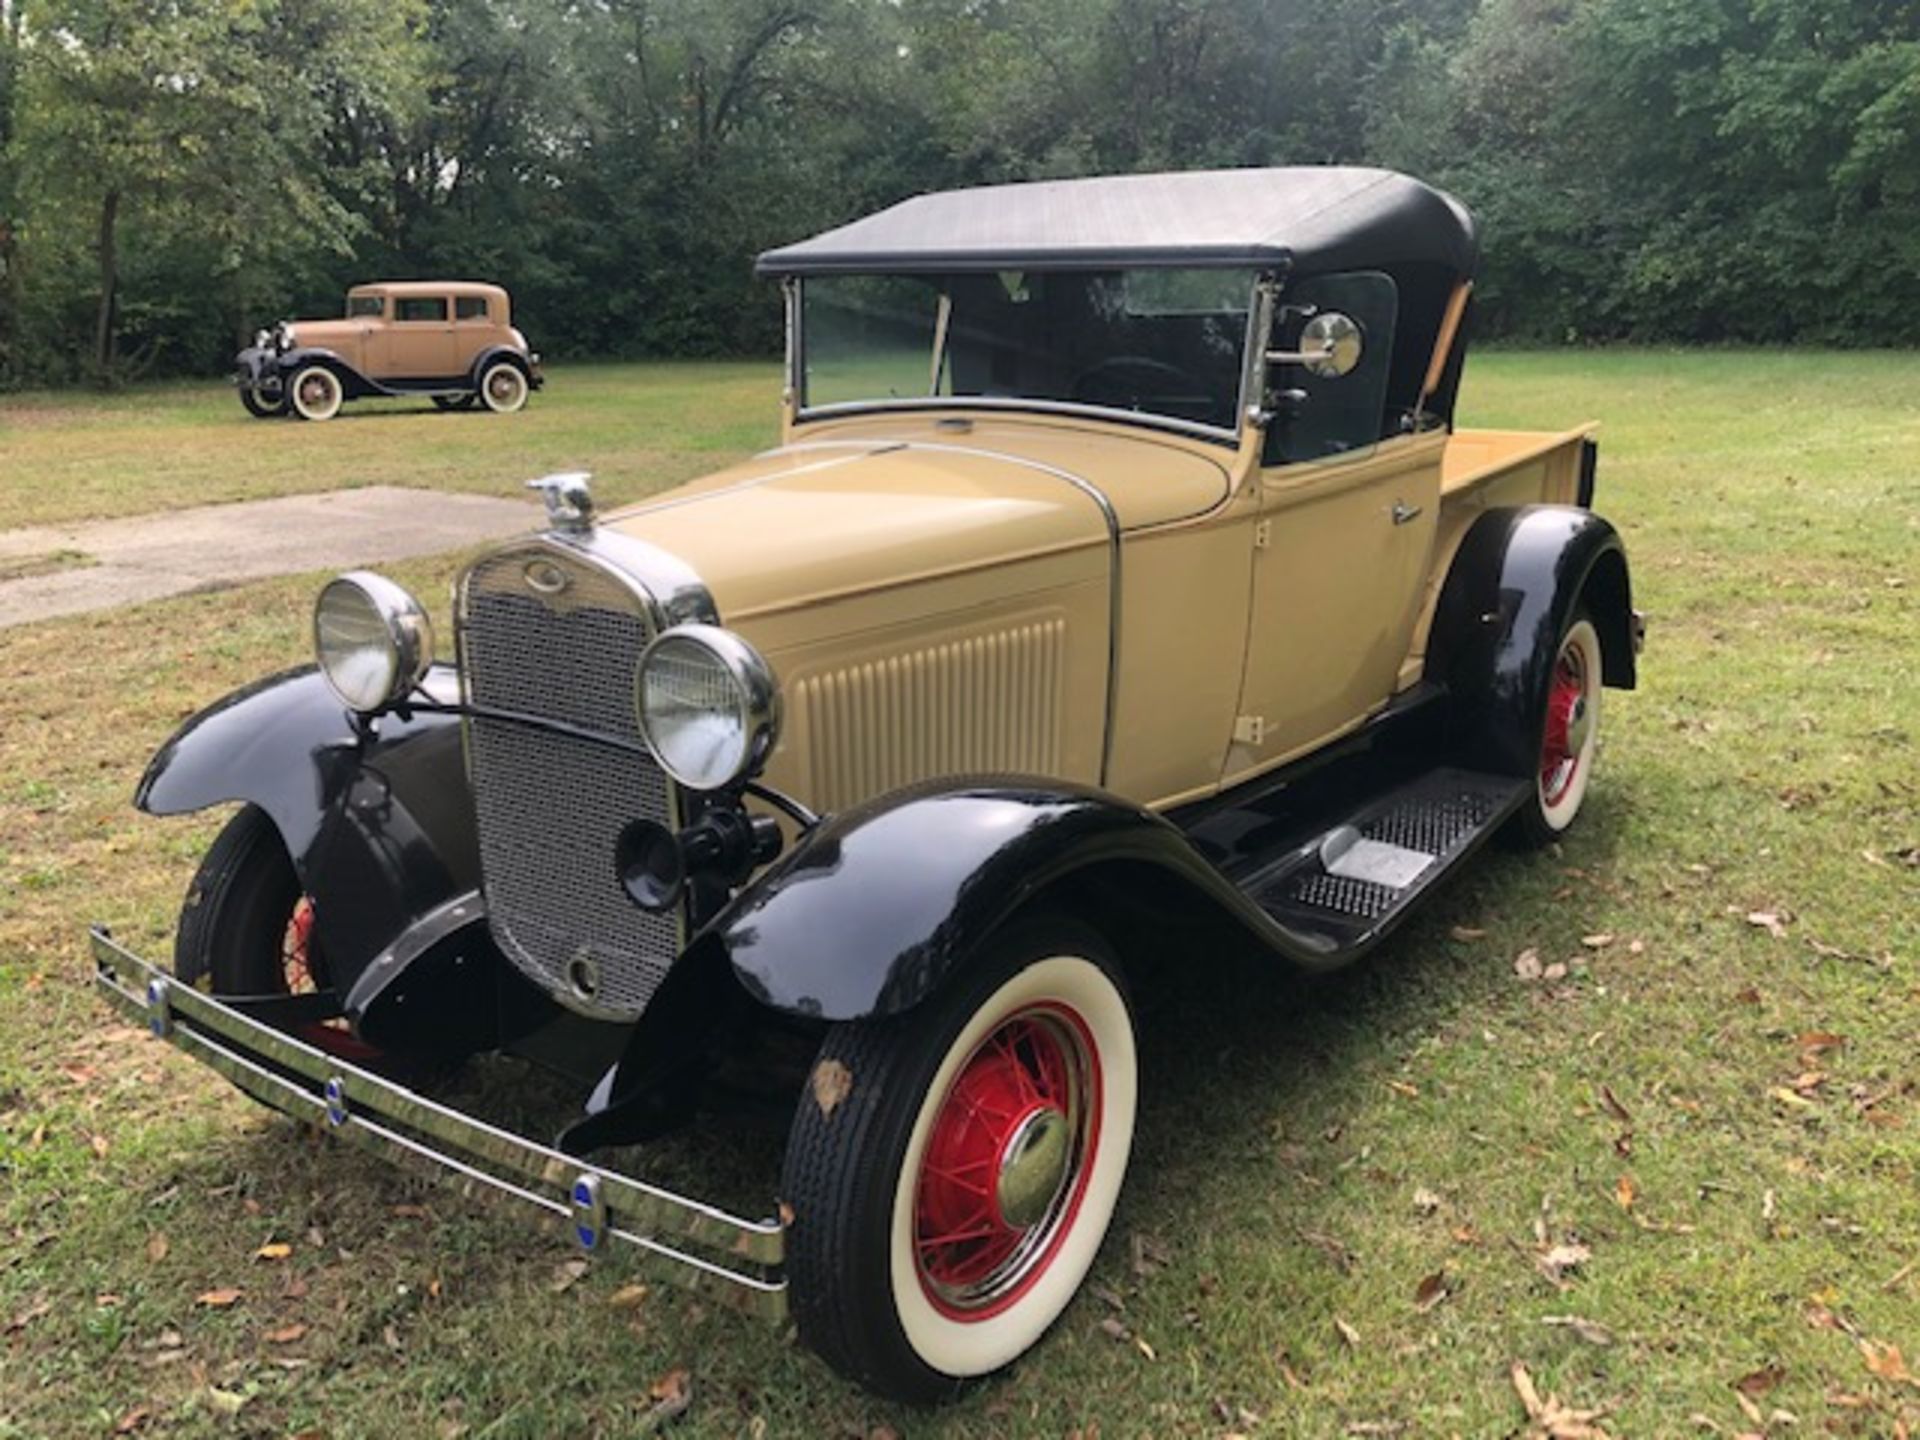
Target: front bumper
[{"x": 695, "y": 1244}]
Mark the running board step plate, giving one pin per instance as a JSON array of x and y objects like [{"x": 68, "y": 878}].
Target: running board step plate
[{"x": 1356, "y": 880}]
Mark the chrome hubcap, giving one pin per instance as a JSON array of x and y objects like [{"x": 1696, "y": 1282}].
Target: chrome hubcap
[{"x": 1033, "y": 1167}]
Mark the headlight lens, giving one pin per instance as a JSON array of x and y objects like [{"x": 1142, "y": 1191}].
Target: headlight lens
[
  {"x": 283, "y": 335},
  {"x": 709, "y": 705},
  {"x": 372, "y": 638}
]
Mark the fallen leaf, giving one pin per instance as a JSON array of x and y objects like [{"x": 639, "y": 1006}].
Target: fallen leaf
[
  {"x": 1590, "y": 1331},
  {"x": 1552, "y": 1419},
  {"x": 1614, "y": 1107},
  {"x": 1556, "y": 1260},
  {"x": 286, "y": 1334},
  {"x": 628, "y": 1297},
  {"x": 1114, "y": 1329},
  {"x": 1759, "y": 1382},
  {"x": 1624, "y": 1192},
  {"x": 273, "y": 1250},
  {"x": 1791, "y": 1098},
  {"x": 1815, "y": 1041},
  {"x": 1596, "y": 942},
  {"x": 565, "y": 1273},
  {"x": 832, "y": 1083},
  {"x": 1401, "y": 1087},
  {"x": 225, "y": 1402},
  {"x": 1774, "y": 922},
  {"x": 1467, "y": 934},
  {"x": 1527, "y": 965},
  {"x": 99, "y": 1145},
  {"x": 1556, "y": 971},
  {"x": 217, "y": 1299},
  {"x": 1145, "y": 1349},
  {"x": 1425, "y": 1201},
  {"x": 133, "y": 1420},
  {"x": 1347, "y": 1332},
  {"x": 674, "y": 1388},
  {"x": 156, "y": 1248},
  {"x": 1431, "y": 1291},
  {"x": 1886, "y": 1362}
]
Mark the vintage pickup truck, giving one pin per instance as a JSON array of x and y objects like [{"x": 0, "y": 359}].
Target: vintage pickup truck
[{"x": 1119, "y": 563}]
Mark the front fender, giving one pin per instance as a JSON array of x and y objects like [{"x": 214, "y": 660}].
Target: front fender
[
  {"x": 1513, "y": 586},
  {"x": 877, "y": 905},
  {"x": 380, "y": 827}
]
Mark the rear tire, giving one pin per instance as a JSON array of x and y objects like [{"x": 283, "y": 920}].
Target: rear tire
[
  {"x": 1568, "y": 736},
  {"x": 951, "y": 1172},
  {"x": 246, "y": 927},
  {"x": 503, "y": 387}
]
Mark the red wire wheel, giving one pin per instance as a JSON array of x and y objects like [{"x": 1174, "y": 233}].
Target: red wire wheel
[
  {"x": 1007, "y": 1162},
  {"x": 1562, "y": 742},
  {"x": 296, "y": 949}
]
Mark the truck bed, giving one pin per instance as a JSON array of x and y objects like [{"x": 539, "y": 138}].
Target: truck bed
[{"x": 1514, "y": 467}]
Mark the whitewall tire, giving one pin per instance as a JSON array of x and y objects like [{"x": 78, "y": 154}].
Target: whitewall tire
[
  {"x": 316, "y": 393},
  {"x": 1568, "y": 730},
  {"x": 503, "y": 387},
  {"x": 953, "y": 1171}
]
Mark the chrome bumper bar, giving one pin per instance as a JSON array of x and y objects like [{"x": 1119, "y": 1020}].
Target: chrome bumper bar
[{"x": 735, "y": 1259}]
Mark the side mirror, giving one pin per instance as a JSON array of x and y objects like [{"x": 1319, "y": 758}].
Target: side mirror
[{"x": 1330, "y": 346}]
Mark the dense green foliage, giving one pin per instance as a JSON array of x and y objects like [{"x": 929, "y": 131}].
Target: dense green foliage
[{"x": 176, "y": 172}]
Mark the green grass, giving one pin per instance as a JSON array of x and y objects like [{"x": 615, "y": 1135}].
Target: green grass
[{"x": 1309, "y": 1154}]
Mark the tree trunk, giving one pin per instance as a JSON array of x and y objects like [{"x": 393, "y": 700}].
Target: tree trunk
[{"x": 103, "y": 326}]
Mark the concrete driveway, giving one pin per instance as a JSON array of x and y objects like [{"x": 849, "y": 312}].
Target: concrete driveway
[{"x": 67, "y": 569}]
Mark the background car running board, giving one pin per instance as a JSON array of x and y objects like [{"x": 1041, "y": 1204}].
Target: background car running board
[{"x": 1357, "y": 879}]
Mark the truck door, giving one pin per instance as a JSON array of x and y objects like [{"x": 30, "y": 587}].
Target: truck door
[{"x": 1347, "y": 521}]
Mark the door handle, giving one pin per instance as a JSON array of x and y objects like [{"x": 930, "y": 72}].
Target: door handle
[{"x": 1403, "y": 512}]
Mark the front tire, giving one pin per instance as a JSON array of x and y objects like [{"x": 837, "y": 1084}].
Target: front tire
[
  {"x": 503, "y": 387},
  {"x": 952, "y": 1171},
  {"x": 246, "y": 927},
  {"x": 1568, "y": 728},
  {"x": 455, "y": 402},
  {"x": 316, "y": 393}
]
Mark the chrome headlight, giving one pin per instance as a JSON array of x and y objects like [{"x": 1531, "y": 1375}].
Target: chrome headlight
[
  {"x": 283, "y": 336},
  {"x": 372, "y": 638},
  {"x": 262, "y": 339},
  {"x": 709, "y": 705}
]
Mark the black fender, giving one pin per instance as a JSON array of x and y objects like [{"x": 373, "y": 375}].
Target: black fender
[
  {"x": 353, "y": 384},
  {"x": 1514, "y": 583},
  {"x": 501, "y": 352},
  {"x": 875, "y": 906},
  {"x": 379, "y": 823}
]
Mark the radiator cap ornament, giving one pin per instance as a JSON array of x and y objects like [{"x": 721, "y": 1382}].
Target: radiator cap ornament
[{"x": 569, "y": 497}]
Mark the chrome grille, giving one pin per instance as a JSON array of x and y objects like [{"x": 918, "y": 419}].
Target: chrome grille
[{"x": 551, "y": 806}]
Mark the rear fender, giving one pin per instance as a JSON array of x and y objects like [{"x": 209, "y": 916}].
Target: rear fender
[
  {"x": 380, "y": 827},
  {"x": 875, "y": 907},
  {"x": 1513, "y": 586}
]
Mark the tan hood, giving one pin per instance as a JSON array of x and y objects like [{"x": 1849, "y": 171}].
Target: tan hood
[
  {"x": 327, "y": 334},
  {"x": 798, "y": 526}
]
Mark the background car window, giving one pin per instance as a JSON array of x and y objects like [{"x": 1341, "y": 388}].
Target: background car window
[
  {"x": 361, "y": 306},
  {"x": 420, "y": 308},
  {"x": 470, "y": 307},
  {"x": 1328, "y": 416}
]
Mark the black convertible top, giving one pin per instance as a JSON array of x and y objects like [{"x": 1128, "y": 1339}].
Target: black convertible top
[{"x": 1307, "y": 217}]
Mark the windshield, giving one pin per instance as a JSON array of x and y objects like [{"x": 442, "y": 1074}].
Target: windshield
[
  {"x": 358, "y": 305},
  {"x": 1166, "y": 343}
]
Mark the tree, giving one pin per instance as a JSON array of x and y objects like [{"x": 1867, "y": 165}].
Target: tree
[{"x": 203, "y": 118}]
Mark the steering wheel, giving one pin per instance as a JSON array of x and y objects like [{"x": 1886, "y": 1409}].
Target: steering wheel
[{"x": 1123, "y": 381}]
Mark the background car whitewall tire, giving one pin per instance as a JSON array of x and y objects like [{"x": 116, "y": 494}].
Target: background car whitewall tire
[
  {"x": 503, "y": 387},
  {"x": 952, "y": 1171},
  {"x": 316, "y": 393}
]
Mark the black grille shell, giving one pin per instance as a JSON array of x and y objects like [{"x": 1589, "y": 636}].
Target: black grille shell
[{"x": 547, "y": 633}]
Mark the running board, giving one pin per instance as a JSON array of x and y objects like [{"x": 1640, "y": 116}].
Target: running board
[{"x": 1344, "y": 888}]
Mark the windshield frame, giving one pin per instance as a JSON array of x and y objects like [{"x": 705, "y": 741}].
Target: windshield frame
[{"x": 1251, "y": 357}]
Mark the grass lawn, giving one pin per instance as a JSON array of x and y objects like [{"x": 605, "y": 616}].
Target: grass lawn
[{"x": 1676, "y": 1175}]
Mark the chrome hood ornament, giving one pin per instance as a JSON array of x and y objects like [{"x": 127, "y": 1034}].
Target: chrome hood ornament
[{"x": 569, "y": 498}]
